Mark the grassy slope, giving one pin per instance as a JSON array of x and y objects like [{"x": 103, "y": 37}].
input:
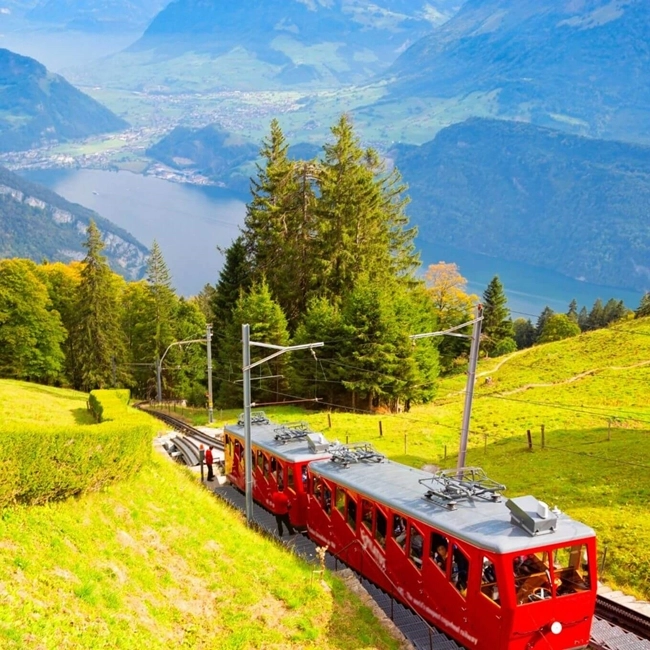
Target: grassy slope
[
  {"x": 597, "y": 476},
  {"x": 157, "y": 562}
]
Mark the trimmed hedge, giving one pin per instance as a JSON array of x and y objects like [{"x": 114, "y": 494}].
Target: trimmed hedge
[{"x": 41, "y": 464}]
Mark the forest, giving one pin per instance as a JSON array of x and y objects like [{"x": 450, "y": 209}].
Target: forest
[{"x": 326, "y": 254}]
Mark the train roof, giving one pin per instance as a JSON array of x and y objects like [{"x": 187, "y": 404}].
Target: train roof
[
  {"x": 486, "y": 524},
  {"x": 264, "y": 437}
]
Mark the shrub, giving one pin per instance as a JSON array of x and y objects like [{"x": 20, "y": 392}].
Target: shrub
[{"x": 41, "y": 464}]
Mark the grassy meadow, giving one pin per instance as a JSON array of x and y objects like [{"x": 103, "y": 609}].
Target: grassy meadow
[
  {"x": 590, "y": 394},
  {"x": 155, "y": 561}
]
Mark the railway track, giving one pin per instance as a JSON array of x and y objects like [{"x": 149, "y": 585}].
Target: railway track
[{"x": 615, "y": 626}]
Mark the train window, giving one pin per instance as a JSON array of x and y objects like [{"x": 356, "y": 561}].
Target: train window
[
  {"x": 416, "y": 543},
  {"x": 399, "y": 530},
  {"x": 489, "y": 585},
  {"x": 266, "y": 466},
  {"x": 290, "y": 481},
  {"x": 571, "y": 567},
  {"x": 459, "y": 569},
  {"x": 352, "y": 513},
  {"x": 439, "y": 550},
  {"x": 327, "y": 499},
  {"x": 532, "y": 577},
  {"x": 317, "y": 488},
  {"x": 304, "y": 477},
  {"x": 340, "y": 500},
  {"x": 366, "y": 514},
  {"x": 260, "y": 460},
  {"x": 380, "y": 528}
]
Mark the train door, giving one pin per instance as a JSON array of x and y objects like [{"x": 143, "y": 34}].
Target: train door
[
  {"x": 372, "y": 536},
  {"x": 260, "y": 484},
  {"x": 461, "y": 572},
  {"x": 413, "y": 579},
  {"x": 435, "y": 570},
  {"x": 484, "y": 594}
]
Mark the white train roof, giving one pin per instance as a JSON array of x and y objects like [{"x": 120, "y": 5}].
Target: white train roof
[
  {"x": 492, "y": 525},
  {"x": 264, "y": 436}
]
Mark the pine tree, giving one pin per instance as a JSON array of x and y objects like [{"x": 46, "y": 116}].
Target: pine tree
[
  {"x": 497, "y": 325},
  {"x": 596, "y": 316},
  {"x": 267, "y": 325},
  {"x": 31, "y": 332},
  {"x": 583, "y": 320},
  {"x": 162, "y": 301},
  {"x": 96, "y": 336},
  {"x": 643, "y": 309},
  {"x": 234, "y": 278},
  {"x": 573, "y": 311},
  {"x": 546, "y": 313}
]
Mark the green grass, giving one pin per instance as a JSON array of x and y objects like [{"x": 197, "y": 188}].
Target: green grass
[
  {"x": 589, "y": 393},
  {"x": 155, "y": 561}
]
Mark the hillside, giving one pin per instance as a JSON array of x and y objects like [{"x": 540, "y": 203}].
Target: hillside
[
  {"x": 590, "y": 394},
  {"x": 529, "y": 194},
  {"x": 93, "y": 16},
  {"x": 156, "y": 562},
  {"x": 36, "y": 223},
  {"x": 37, "y": 107},
  {"x": 579, "y": 66},
  {"x": 208, "y": 45}
]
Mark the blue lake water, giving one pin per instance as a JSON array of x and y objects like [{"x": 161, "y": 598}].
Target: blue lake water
[{"x": 189, "y": 222}]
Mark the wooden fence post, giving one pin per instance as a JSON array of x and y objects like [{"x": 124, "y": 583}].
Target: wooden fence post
[
  {"x": 530, "y": 440},
  {"x": 329, "y": 420},
  {"x": 543, "y": 437},
  {"x": 445, "y": 452},
  {"x": 381, "y": 432}
]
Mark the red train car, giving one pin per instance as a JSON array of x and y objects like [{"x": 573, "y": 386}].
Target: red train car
[
  {"x": 494, "y": 574},
  {"x": 280, "y": 456}
]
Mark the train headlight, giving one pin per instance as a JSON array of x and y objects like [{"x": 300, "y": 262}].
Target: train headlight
[{"x": 556, "y": 627}]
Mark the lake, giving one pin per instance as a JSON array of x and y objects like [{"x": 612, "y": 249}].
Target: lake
[{"x": 189, "y": 222}]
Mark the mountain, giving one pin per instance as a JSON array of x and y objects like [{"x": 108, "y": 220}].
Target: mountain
[
  {"x": 269, "y": 44},
  {"x": 582, "y": 66},
  {"x": 530, "y": 194},
  {"x": 37, "y": 106},
  {"x": 96, "y": 16},
  {"x": 37, "y": 223}
]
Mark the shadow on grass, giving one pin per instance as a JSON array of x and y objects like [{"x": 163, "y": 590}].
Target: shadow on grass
[{"x": 83, "y": 416}]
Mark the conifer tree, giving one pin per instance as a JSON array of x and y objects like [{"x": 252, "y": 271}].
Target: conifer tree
[
  {"x": 31, "y": 332},
  {"x": 546, "y": 313},
  {"x": 97, "y": 338},
  {"x": 235, "y": 277},
  {"x": 596, "y": 316},
  {"x": 267, "y": 325},
  {"x": 162, "y": 301},
  {"x": 643, "y": 309},
  {"x": 497, "y": 325},
  {"x": 573, "y": 311},
  {"x": 583, "y": 320}
]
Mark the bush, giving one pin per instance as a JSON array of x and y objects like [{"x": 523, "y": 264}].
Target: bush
[
  {"x": 38, "y": 465},
  {"x": 504, "y": 346}
]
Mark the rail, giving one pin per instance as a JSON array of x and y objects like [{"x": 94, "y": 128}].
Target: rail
[
  {"x": 623, "y": 617},
  {"x": 185, "y": 428}
]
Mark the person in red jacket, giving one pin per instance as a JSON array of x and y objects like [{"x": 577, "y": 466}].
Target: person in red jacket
[
  {"x": 209, "y": 459},
  {"x": 281, "y": 507}
]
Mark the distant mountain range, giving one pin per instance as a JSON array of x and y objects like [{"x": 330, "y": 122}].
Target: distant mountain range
[
  {"x": 38, "y": 224},
  {"x": 580, "y": 66},
  {"x": 264, "y": 44},
  {"x": 96, "y": 15},
  {"x": 530, "y": 194},
  {"x": 37, "y": 106}
]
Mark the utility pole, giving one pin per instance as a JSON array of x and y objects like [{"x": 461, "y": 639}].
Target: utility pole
[
  {"x": 471, "y": 372},
  {"x": 161, "y": 359},
  {"x": 208, "y": 338},
  {"x": 246, "y": 368}
]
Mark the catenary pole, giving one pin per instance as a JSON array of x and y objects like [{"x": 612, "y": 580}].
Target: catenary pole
[
  {"x": 246, "y": 369},
  {"x": 208, "y": 339}
]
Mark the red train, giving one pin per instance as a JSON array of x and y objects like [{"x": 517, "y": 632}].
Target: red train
[{"x": 494, "y": 574}]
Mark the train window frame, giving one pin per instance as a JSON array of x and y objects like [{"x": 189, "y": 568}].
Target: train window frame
[
  {"x": 351, "y": 511},
  {"x": 565, "y": 582},
  {"x": 415, "y": 559},
  {"x": 436, "y": 540},
  {"x": 327, "y": 498},
  {"x": 339, "y": 500},
  {"x": 367, "y": 508},
  {"x": 398, "y": 531},
  {"x": 316, "y": 489},
  {"x": 259, "y": 461},
  {"x": 379, "y": 516},
  {"x": 291, "y": 482},
  {"x": 490, "y": 588},
  {"x": 532, "y": 576},
  {"x": 459, "y": 575}
]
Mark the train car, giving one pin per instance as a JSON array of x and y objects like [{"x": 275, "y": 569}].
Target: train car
[
  {"x": 280, "y": 455},
  {"x": 494, "y": 574}
]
